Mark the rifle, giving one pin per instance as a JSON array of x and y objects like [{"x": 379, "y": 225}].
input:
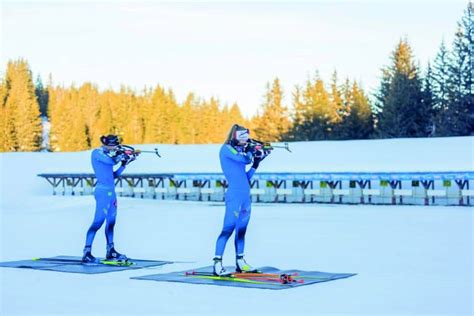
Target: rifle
[
  {"x": 266, "y": 146},
  {"x": 133, "y": 153}
]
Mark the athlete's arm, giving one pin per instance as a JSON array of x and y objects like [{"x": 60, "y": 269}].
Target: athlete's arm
[
  {"x": 231, "y": 153},
  {"x": 250, "y": 173},
  {"x": 119, "y": 171},
  {"x": 99, "y": 155}
]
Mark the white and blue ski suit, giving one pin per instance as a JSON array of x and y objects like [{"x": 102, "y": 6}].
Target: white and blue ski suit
[
  {"x": 104, "y": 193},
  {"x": 237, "y": 197}
]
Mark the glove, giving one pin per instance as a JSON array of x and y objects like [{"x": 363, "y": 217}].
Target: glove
[
  {"x": 117, "y": 158},
  {"x": 258, "y": 157},
  {"x": 256, "y": 162},
  {"x": 124, "y": 159},
  {"x": 261, "y": 153},
  {"x": 249, "y": 148},
  {"x": 249, "y": 157}
]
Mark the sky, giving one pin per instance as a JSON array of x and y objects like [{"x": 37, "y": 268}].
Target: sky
[{"x": 227, "y": 50}]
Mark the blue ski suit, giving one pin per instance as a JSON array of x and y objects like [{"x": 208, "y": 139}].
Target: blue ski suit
[
  {"x": 104, "y": 193},
  {"x": 237, "y": 197}
]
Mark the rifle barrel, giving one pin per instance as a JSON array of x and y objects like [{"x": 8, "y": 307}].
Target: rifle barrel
[
  {"x": 284, "y": 147},
  {"x": 151, "y": 152}
]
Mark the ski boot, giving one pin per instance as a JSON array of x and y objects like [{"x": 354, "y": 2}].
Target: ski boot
[
  {"x": 88, "y": 257},
  {"x": 218, "y": 268},
  {"x": 242, "y": 266},
  {"x": 113, "y": 255}
]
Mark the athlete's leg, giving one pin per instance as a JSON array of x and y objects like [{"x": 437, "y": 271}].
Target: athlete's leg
[
  {"x": 101, "y": 209},
  {"x": 230, "y": 218},
  {"x": 111, "y": 217},
  {"x": 241, "y": 226}
]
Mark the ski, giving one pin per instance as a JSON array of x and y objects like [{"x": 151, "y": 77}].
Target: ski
[
  {"x": 233, "y": 273},
  {"x": 269, "y": 277},
  {"x": 232, "y": 279},
  {"x": 283, "y": 277},
  {"x": 200, "y": 273},
  {"x": 121, "y": 263}
]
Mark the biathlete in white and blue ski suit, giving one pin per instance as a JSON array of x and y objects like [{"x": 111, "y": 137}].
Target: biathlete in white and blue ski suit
[
  {"x": 234, "y": 156},
  {"x": 103, "y": 160}
]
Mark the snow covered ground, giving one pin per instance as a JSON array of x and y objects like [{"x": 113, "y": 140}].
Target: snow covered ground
[{"x": 410, "y": 260}]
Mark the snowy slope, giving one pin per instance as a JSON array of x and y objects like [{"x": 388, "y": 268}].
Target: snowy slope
[{"x": 410, "y": 260}]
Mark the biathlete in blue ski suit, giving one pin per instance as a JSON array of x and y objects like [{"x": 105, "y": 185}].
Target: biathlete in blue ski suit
[
  {"x": 234, "y": 156},
  {"x": 103, "y": 160}
]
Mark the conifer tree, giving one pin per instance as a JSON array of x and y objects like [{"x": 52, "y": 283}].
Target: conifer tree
[
  {"x": 172, "y": 117},
  {"x": 3, "y": 116},
  {"x": 76, "y": 135},
  {"x": 441, "y": 91},
  {"x": 210, "y": 132},
  {"x": 68, "y": 128},
  {"x": 157, "y": 120},
  {"x": 460, "y": 112},
  {"x": 361, "y": 110},
  {"x": 235, "y": 117},
  {"x": 134, "y": 127},
  {"x": 148, "y": 115},
  {"x": 429, "y": 99},
  {"x": 189, "y": 120},
  {"x": 105, "y": 123},
  {"x": 22, "y": 116},
  {"x": 41, "y": 96},
  {"x": 336, "y": 98},
  {"x": 321, "y": 115},
  {"x": 274, "y": 122},
  {"x": 89, "y": 105},
  {"x": 299, "y": 115},
  {"x": 162, "y": 116},
  {"x": 357, "y": 121},
  {"x": 402, "y": 113}
]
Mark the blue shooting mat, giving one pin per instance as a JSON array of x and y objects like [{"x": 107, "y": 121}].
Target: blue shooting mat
[
  {"x": 72, "y": 264},
  {"x": 301, "y": 278}
]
